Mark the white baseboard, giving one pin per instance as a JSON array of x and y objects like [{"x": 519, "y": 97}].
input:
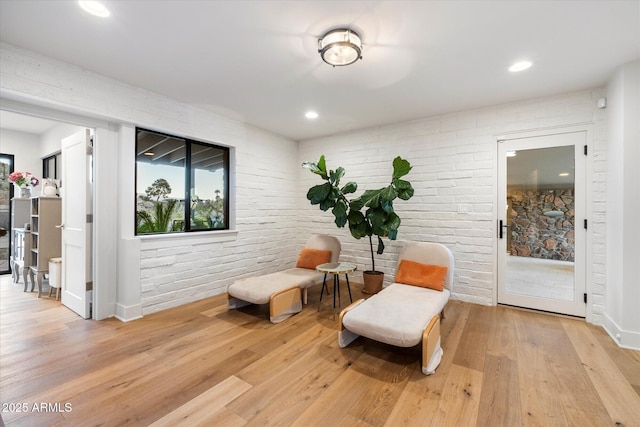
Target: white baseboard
[
  {"x": 625, "y": 339},
  {"x": 127, "y": 314}
]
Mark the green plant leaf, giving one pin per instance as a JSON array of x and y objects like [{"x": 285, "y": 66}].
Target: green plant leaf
[
  {"x": 340, "y": 212},
  {"x": 350, "y": 187},
  {"x": 405, "y": 190},
  {"x": 392, "y": 234},
  {"x": 380, "y": 246},
  {"x": 359, "y": 230},
  {"x": 319, "y": 193},
  {"x": 319, "y": 168},
  {"x": 377, "y": 216},
  {"x": 401, "y": 167},
  {"x": 392, "y": 224},
  {"x": 405, "y": 194},
  {"x": 336, "y": 176},
  {"x": 355, "y": 217},
  {"x": 387, "y": 207},
  {"x": 327, "y": 204},
  {"x": 356, "y": 204},
  {"x": 322, "y": 165},
  {"x": 370, "y": 198},
  {"x": 388, "y": 193}
]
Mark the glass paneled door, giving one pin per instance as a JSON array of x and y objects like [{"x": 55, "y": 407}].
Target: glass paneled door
[
  {"x": 541, "y": 234},
  {"x": 6, "y": 167}
]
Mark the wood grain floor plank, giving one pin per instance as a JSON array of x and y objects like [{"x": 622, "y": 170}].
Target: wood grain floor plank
[
  {"x": 472, "y": 350},
  {"x": 539, "y": 406},
  {"x": 582, "y": 406},
  {"x": 169, "y": 363},
  {"x": 500, "y": 399},
  {"x": 618, "y": 396},
  {"x": 206, "y": 407},
  {"x": 460, "y": 400},
  {"x": 628, "y": 361}
]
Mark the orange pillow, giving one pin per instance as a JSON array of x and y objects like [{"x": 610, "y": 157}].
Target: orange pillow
[
  {"x": 423, "y": 275},
  {"x": 311, "y": 258}
]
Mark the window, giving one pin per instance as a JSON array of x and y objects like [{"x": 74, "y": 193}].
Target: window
[
  {"x": 181, "y": 185},
  {"x": 51, "y": 166}
]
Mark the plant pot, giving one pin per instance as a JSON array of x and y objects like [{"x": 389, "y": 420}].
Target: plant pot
[
  {"x": 23, "y": 192},
  {"x": 372, "y": 281}
]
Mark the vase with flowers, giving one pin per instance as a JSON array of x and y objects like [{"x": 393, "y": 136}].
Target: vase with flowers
[{"x": 23, "y": 181}]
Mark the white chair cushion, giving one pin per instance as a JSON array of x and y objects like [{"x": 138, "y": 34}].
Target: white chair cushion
[
  {"x": 397, "y": 315},
  {"x": 258, "y": 290}
]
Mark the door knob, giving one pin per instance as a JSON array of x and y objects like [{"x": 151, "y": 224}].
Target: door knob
[
  {"x": 61, "y": 226},
  {"x": 501, "y": 227}
]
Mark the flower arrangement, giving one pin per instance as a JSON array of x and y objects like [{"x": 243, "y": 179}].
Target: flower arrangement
[{"x": 23, "y": 179}]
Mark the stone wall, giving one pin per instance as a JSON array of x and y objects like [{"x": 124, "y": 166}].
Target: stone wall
[{"x": 534, "y": 234}]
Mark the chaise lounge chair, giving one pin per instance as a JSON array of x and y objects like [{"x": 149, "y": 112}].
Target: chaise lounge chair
[
  {"x": 407, "y": 312},
  {"x": 286, "y": 291}
]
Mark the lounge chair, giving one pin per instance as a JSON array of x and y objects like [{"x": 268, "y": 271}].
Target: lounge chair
[
  {"x": 286, "y": 291},
  {"x": 402, "y": 314}
]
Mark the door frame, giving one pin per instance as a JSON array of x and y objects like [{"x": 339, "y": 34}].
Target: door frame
[
  {"x": 9, "y": 230},
  {"x": 105, "y": 191},
  {"x": 588, "y": 129}
]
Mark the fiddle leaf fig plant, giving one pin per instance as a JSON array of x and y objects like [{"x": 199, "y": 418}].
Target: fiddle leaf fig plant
[{"x": 371, "y": 214}]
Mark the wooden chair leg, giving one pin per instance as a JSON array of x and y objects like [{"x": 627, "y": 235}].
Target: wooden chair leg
[
  {"x": 430, "y": 345},
  {"x": 285, "y": 303}
]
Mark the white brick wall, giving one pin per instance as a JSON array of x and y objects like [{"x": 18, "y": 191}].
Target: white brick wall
[
  {"x": 183, "y": 270},
  {"x": 177, "y": 270},
  {"x": 454, "y": 175}
]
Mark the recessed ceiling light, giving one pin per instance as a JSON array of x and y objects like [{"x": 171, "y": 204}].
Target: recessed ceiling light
[
  {"x": 520, "y": 66},
  {"x": 311, "y": 115},
  {"x": 563, "y": 174},
  {"x": 95, "y": 8}
]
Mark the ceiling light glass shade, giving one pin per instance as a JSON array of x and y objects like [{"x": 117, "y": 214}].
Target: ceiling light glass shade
[
  {"x": 95, "y": 8},
  {"x": 520, "y": 66},
  {"x": 340, "y": 47}
]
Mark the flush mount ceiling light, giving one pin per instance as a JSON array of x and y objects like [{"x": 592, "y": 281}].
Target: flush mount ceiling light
[
  {"x": 95, "y": 8},
  {"x": 311, "y": 115},
  {"x": 340, "y": 47},
  {"x": 520, "y": 66}
]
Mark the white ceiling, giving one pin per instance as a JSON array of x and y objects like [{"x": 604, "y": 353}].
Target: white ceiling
[
  {"x": 257, "y": 61},
  {"x": 26, "y": 124}
]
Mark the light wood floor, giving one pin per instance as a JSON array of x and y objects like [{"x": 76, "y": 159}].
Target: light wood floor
[{"x": 200, "y": 364}]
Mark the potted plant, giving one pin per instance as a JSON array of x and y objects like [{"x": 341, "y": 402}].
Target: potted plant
[
  {"x": 24, "y": 181},
  {"x": 379, "y": 219}
]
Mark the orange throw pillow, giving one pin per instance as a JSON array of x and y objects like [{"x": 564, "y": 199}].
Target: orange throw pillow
[
  {"x": 423, "y": 275},
  {"x": 311, "y": 258}
]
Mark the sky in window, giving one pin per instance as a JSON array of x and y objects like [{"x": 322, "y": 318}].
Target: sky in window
[{"x": 206, "y": 182}]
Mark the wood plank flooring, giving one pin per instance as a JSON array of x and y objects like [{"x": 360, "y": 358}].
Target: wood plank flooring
[{"x": 201, "y": 364}]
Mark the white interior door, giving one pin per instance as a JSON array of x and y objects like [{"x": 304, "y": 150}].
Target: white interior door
[
  {"x": 76, "y": 283},
  {"x": 541, "y": 233}
]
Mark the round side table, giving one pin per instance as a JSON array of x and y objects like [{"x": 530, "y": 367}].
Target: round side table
[{"x": 336, "y": 268}]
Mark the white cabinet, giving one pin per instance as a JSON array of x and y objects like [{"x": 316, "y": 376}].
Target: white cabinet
[
  {"x": 20, "y": 240},
  {"x": 46, "y": 243}
]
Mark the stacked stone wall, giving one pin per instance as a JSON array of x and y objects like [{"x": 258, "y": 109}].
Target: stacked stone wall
[{"x": 534, "y": 234}]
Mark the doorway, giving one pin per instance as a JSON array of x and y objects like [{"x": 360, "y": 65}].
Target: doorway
[
  {"x": 35, "y": 141},
  {"x": 6, "y": 190},
  {"x": 541, "y": 222}
]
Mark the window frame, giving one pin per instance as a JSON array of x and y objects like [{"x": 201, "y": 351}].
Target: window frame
[
  {"x": 189, "y": 142},
  {"x": 46, "y": 172}
]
